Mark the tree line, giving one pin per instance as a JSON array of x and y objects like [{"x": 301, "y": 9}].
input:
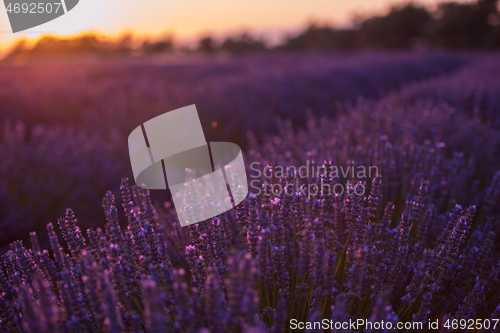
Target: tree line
[{"x": 473, "y": 25}]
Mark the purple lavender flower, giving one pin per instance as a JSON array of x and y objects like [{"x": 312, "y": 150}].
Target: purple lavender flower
[{"x": 157, "y": 321}]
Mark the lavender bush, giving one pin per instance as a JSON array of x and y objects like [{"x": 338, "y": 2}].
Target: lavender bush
[{"x": 419, "y": 245}]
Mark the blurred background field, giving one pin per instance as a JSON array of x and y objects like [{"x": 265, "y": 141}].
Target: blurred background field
[{"x": 65, "y": 126}]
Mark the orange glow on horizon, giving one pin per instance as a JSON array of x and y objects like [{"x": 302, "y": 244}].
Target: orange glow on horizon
[{"x": 186, "y": 21}]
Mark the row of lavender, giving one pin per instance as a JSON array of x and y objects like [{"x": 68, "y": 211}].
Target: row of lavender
[
  {"x": 53, "y": 167},
  {"x": 47, "y": 167},
  {"x": 119, "y": 95},
  {"x": 419, "y": 246},
  {"x": 274, "y": 260}
]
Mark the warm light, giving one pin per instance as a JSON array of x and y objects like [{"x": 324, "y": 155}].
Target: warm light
[{"x": 190, "y": 19}]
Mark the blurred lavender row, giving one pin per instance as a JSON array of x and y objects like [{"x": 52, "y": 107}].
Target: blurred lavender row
[
  {"x": 65, "y": 125},
  {"x": 242, "y": 93},
  {"x": 419, "y": 245}
]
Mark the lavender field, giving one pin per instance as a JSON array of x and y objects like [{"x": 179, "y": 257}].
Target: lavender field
[
  {"x": 65, "y": 125},
  {"x": 419, "y": 246}
]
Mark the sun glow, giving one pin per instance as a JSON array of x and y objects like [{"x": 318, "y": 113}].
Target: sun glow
[{"x": 188, "y": 20}]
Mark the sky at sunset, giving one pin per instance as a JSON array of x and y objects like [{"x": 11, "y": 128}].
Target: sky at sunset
[{"x": 189, "y": 19}]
